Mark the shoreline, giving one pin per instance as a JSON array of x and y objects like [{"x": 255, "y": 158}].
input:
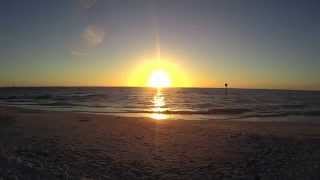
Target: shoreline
[
  {"x": 36, "y": 144},
  {"x": 179, "y": 117}
]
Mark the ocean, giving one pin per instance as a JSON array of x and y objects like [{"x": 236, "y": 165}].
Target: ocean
[{"x": 170, "y": 103}]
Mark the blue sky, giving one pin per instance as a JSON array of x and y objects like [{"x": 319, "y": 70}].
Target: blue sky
[{"x": 248, "y": 43}]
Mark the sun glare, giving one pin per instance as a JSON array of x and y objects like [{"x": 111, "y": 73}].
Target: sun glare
[
  {"x": 159, "y": 79},
  {"x": 156, "y": 73}
]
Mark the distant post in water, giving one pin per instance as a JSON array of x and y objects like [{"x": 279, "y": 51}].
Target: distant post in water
[{"x": 226, "y": 88}]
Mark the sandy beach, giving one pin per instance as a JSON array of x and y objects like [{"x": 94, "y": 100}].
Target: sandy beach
[{"x": 65, "y": 145}]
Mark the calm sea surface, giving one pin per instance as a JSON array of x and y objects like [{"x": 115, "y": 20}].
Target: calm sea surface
[{"x": 173, "y": 103}]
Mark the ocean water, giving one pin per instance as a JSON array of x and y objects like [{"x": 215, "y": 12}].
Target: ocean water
[{"x": 171, "y": 103}]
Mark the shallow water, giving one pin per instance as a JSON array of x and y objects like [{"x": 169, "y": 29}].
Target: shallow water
[{"x": 178, "y": 103}]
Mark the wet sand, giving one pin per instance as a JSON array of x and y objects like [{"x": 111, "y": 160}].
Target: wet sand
[{"x": 65, "y": 145}]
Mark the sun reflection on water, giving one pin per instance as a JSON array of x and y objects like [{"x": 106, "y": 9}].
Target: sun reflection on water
[{"x": 159, "y": 108}]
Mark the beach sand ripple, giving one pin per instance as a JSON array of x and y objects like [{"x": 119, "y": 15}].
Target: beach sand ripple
[{"x": 65, "y": 145}]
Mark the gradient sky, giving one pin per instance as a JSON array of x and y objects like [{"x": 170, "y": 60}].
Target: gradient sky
[{"x": 248, "y": 43}]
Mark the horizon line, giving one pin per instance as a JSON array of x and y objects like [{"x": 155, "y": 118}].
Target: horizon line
[{"x": 199, "y": 87}]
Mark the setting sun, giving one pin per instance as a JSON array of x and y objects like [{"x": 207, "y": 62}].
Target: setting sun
[
  {"x": 159, "y": 79},
  {"x": 152, "y": 72}
]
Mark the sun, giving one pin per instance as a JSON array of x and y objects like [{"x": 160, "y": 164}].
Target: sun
[
  {"x": 152, "y": 72},
  {"x": 159, "y": 79}
]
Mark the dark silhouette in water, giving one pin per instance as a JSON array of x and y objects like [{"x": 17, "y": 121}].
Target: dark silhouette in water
[{"x": 226, "y": 88}]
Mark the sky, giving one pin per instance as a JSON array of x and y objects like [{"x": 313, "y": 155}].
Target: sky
[{"x": 201, "y": 43}]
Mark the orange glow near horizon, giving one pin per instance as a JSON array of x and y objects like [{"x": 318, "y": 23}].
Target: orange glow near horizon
[{"x": 158, "y": 74}]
